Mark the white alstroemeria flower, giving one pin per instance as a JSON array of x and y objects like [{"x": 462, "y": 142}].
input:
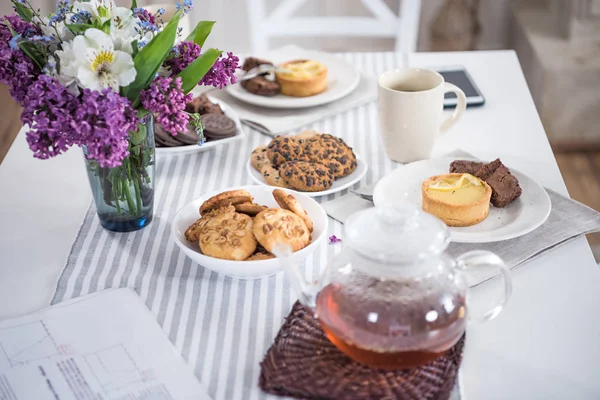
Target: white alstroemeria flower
[
  {"x": 100, "y": 9},
  {"x": 100, "y": 66},
  {"x": 67, "y": 75},
  {"x": 123, "y": 29},
  {"x": 64, "y": 33}
]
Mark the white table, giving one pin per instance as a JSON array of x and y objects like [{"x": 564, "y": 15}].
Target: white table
[{"x": 546, "y": 344}]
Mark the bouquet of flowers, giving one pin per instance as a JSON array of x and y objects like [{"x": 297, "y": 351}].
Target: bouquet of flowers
[{"x": 96, "y": 75}]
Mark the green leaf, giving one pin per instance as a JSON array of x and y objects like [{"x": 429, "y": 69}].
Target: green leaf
[
  {"x": 23, "y": 11},
  {"x": 137, "y": 137},
  {"x": 197, "y": 69},
  {"x": 133, "y": 5},
  {"x": 200, "y": 32},
  {"x": 34, "y": 52},
  {"x": 78, "y": 28},
  {"x": 135, "y": 47},
  {"x": 150, "y": 58},
  {"x": 106, "y": 27}
]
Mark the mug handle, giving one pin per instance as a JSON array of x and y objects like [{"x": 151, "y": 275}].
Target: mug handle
[
  {"x": 471, "y": 261},
  {"x": 460, "y": 106}
]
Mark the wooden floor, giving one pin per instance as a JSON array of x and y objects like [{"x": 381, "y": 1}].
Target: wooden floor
[{"x": 581, "y": 172}]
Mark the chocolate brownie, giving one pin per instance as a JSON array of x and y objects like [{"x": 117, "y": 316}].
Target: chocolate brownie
[
  {"x": 253, "y": 62},
  {"x": 465, "y": 167},
  {"x": 332, "y": 152},
  {"x": 261, "y": 86},
  {"x": 202, "y": 105},
  {"x": 284, "y": 148},
  {"x": 305, "y": 176},
  {"x": 505, "y": 186}
]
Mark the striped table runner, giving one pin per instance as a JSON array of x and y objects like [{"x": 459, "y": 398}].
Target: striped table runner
[{"x": 221, "y": 326}]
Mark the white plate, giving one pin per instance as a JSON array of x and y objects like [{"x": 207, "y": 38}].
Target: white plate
[
  {"x": 194, "y": 148},
  {"x": 521, "y": 216},
  {"x": 342, "y": 79},
  {"x": 340, "y": 184},
  {"x": 247, "y": 269}
]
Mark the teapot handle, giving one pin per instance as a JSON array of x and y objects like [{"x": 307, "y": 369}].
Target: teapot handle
[
  {"x": 307, "y": 293},
  {"x": 471, "y": 264}
]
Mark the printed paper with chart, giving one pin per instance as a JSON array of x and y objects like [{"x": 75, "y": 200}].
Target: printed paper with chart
[{"x": 102, "y": 346}]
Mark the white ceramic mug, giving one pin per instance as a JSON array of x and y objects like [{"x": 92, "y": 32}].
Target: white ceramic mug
[{"x": 410, "y": 102}]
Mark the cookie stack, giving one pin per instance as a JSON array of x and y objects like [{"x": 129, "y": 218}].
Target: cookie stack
[
  {"x": 307, "y": 162},
  {"x": 216, "y": 125},
  {"x": 233, "y": 227}
]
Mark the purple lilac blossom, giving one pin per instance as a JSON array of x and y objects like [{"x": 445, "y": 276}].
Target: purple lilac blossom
[
  {"x": 17, "y": 70},
  {"x": 166, "y": 100},
  {"x": 182, "y": 55},
  {"x": 58, "y": 120},
  {"x": 334, "y": 239},
  {"x": 48, "y": 110},
  {"x": 102, "y": 123},
  {"x": 223, "y": 72}
]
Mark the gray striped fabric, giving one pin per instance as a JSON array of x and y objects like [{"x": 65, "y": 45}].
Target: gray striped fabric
[{"x": 221, "y": 326}]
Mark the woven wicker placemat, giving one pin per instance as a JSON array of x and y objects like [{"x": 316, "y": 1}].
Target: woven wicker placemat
[{"x": 303, "y": 363}]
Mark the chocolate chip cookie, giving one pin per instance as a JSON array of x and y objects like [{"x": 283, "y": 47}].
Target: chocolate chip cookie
[
  {"x": 271, "y": 175},
  {"x": 305, "y": 176},
  {"x": 284, "y": 148},
  {"x": 259, "y": 158},
  {"x": 332, "y": 152},
  {"x": 275, "y": 225}
]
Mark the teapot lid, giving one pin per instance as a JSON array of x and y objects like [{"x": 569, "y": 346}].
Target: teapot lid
[{"x": 398, "y": 232}]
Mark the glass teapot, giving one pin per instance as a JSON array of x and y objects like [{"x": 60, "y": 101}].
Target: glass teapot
[{"x": 392, "y": 298}]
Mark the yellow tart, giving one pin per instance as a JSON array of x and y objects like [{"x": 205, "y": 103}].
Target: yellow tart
[
  {"x": 302, "y": 78},
  {"x": 456, "y": 199}
]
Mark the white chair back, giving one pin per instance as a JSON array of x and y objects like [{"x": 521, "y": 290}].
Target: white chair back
[{"x": 383, "y": 24}]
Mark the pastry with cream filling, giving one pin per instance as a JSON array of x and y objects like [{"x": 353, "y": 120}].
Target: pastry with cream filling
[{"x": 457, "y": 199}]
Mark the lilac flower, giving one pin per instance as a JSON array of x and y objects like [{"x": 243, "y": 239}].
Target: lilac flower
[
  {"x": 166, "y": 100},
  {"x": 222, "y": 73},
  {"x": 16, "y": 69},
  {"x": 182, "y": 56},
  {"x": 102, "y": 123},
  {"x": 147, "y": 20},
  {"x": 49, "y": 110},
  {"x": 334, "y": 239}
]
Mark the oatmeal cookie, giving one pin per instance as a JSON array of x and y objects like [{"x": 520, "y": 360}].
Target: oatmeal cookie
[
  {"x": 228, "y": 236},
  {"x": 332, "y": 152},
  {"x": 258, "y": 158},
  {"x": 305, "y": 176},
  {"x": 284, "y": 148},
  {"x": 192, "y": 233},
  {"x": 271, "y": 175},
  {"x": 249, "y": 208},
  {"x": 260, "y": 255},
  {"x": 276, "y": 225},
  {"x": 222, "y": 199},
  {"x": 289, "y": 202}
]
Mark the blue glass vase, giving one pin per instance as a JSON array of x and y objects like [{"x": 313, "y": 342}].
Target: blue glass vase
[{"x": 124, "y": 195}]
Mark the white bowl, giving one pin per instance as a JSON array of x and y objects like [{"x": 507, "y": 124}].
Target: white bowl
[{"x": 247, "y": 269}]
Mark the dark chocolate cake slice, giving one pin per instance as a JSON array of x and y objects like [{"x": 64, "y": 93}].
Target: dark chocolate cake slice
[
  {"x": 252, "y": 62},
  {"x": 465, "y": 167},
  {"x": 505, "y": 186}
]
